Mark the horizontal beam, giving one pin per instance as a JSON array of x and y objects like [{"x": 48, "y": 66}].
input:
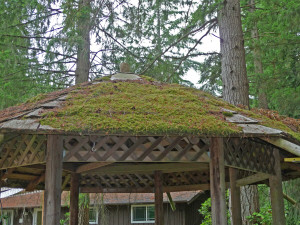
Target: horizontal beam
[
  {"x": 91, "y": 166},
  {"x": 196, "y": 187},
  {"x": 252, "y": 179},
  {"x": 123, "y": 168},
  {"x": 292, "y": 159},
  {"x": 284, "y": 144}
]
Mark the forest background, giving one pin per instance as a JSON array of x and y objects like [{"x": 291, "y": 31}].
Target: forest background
[{"x": 47, "y": 45}]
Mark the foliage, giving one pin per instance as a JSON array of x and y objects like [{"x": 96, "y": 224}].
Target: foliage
[{"x": 263, "y": 217}]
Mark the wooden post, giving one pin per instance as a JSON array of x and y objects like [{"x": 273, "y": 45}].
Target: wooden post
[
  {"x": 235, "y": 198},
  {"x": 275, "y": 182},
  {"x": 74, "y": 198},
  {"x": 52, "y": 201},
  {"x": 217, "y": 182},
  {"x": 159, "y": 211}
]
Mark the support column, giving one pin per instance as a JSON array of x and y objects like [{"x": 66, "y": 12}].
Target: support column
[
  {"x": 275, "y": 182},
  {"x": 74, "y": 199},
  {"x": 52, "y": 196},
  {"x": 217, "y": 182},
  {"x": 159, "y": 210},
  {"x": 235, "y": 197}
]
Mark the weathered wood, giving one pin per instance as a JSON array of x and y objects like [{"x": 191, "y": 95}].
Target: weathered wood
[
  {"x": 28, "y": 124},
  {"x": 17, "y": 176},
  {"x": 276, "y": 192},
  {"x": 32, "y": 185},
  {"x": 159, "y": 210},
  {"x": 255, "y": 129},
  {"x": 66, "y": 181},
  {"x": 235, "y": 195},
  {"x": 52, "y": 104},
  {"x": 252, "y": 179},
  {"x": 237, "y": 118},
  {"x": 197, "y": 187},
  {"x": 172, "y": 203},
  {"x": 284, "y": 144},
  {"x": 149, "y": 168},
  {"x": 91, "y": 166},
  {"x": 53, "y": 182},
  {"x": 217, "y": 182},
  {"x": 74, "y": 199}
]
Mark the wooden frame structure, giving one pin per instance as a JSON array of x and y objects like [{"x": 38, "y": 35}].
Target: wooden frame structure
[
  {"x": 34, "y": 156},
  {"x": 115, "y": 164}
]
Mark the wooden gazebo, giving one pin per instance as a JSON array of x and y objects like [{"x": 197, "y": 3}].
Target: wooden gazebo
[{"x": 83, "y": 140}]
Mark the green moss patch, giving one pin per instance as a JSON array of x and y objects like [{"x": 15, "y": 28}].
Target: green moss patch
[{"x": 141, "y": 107}]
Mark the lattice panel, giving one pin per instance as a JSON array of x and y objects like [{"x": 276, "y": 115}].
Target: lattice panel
[
  {"x": 118, "y": 149},
  {"x": 186, "y": 178},
  {"x": 139, "y": 181},
  {"x": 23, "y": 150},
  {"x": 250, "y": 155},
  {"x": 118, "y": 181}
]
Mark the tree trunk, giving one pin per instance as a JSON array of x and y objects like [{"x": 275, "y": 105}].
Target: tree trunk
[
  {"x": 258, "y": 67},
  {"x": 83, "y": 217},
  {"x": 249, "y": 202},
  {"x": 234, "y": 75},
  {"x": 83, "y": 52}
]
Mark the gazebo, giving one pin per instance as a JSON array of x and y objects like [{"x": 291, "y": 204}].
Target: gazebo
[{"x": 128, "y": 133}]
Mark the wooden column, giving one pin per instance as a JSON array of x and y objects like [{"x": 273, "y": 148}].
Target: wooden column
[
  {"x": 217, "y": 182},
  {"x": 74, "y": 197},
  {"x": 235, "y": 195},
  {"x": 159, "y": 210},
  {"x": 275, "y": 182},
  {"x": 52, "y": 199}
]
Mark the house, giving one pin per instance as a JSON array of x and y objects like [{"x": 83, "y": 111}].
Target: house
[{"x": 109, "y": 209}]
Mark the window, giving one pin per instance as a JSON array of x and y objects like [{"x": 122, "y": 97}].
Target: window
[
  {"x": 142, "y": 214},
  {"x": 7, "y": 217},
  {"x": 93, "y": 216},
  {"x": 37, "y": 217}
]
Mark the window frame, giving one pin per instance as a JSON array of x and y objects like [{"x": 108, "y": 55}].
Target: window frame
[
  {"x": 97, "y": 215},
  {"x": 12, "y": 215},
  {"x": 34, "y": 216},
  {"x": 147, "y": 205}
]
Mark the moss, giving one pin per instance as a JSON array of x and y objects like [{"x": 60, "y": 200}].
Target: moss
[
  {"x": 139, "y": 107},
  {"x": 228, "y": 114},
  {"x": 37, "y": 98},
  {"x": 147, "y": 78},
  {"x": 105, "y": 78},
  {"x": 152, "y": 108}
]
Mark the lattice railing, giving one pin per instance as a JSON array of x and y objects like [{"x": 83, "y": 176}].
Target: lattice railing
[
  {"x": 23, "y": 149},
  {"x": 120, "y": 148},
  {"x": 247, "y": 154},
  {"x": 145, "y": 181}
]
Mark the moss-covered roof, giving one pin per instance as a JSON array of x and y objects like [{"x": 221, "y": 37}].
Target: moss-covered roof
[{"x": 141, "y": 107}]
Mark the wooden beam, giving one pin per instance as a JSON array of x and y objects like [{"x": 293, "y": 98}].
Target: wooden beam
[
  {"x": 276, "y": 192},
  {"x": 74, "y": 198},
  {"x": 235, "y": 195},
  {"x": 217, "y": 182},
  {"x": 53, "y": 182},
  {"x": 91, "y": 166},
  {"x": 32, "y": 185},
  {"x": 292, "y": 159},
  {"x": 172, "y": 203},
  {"x": 66, "y": 181},
  {"x": 1, "y": 138},
  {"x": 18, "y": 176},
  {"x": 252, "y": 179},
  {"x": 159, "y": 209},
  {"x": 117, "y": 168},
  {"x": 7, "y": 173},
  {"x": 195, "y": 187},
  {"x": 284, "y": 144}
]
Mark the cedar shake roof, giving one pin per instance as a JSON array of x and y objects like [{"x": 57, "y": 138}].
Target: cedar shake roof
[
  {"x": 142, "y": 106},
  {"x": 35, "y": 199}
]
